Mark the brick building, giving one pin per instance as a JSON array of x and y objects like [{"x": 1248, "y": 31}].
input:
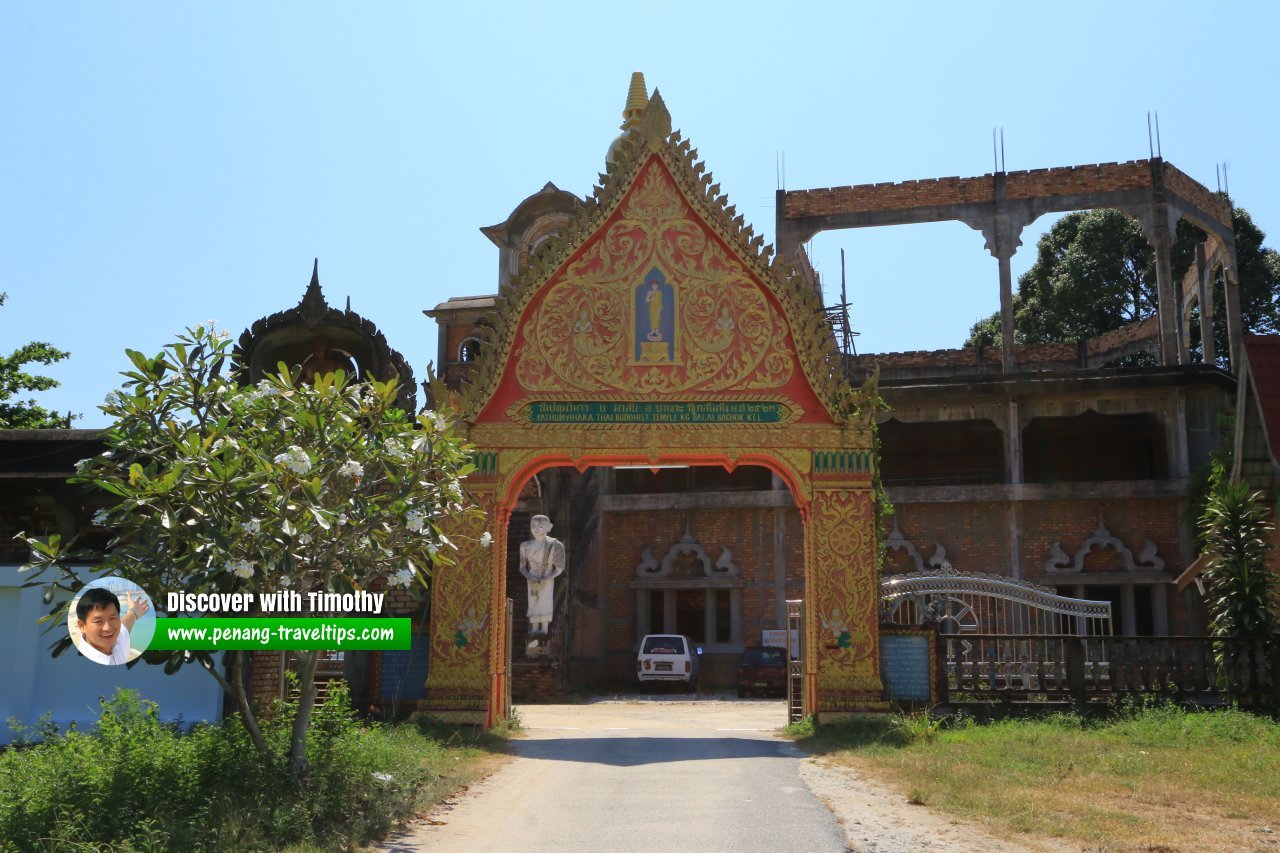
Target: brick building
[{"x": 1047, "y": 463}]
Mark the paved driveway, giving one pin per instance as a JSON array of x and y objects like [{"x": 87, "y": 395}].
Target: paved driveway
[{"x": 640, "y": 774}]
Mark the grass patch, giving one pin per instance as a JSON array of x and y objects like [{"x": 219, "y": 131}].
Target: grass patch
[
  {"x": 1151, "y": 778},
  {"x": 134, "y": 783}
]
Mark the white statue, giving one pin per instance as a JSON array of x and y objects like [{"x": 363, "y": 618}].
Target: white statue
[{"x": 541, "y": 562}]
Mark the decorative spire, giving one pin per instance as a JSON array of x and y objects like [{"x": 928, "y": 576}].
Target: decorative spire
[
  {"x": 637, "y": 100},
  {"x": 313, "y": 304}
]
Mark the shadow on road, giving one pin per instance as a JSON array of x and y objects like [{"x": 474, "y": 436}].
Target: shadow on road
[{"x": 635, "y": 751}]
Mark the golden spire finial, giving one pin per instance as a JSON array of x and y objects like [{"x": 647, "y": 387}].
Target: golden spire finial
[{"x": 637, "y": 100}]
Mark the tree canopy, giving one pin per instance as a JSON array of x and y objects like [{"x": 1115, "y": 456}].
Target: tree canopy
[
  {"x": 1094, "y": 271},
  {"x": 14, "y": 380},
  {"x": 219, "y": 488}
]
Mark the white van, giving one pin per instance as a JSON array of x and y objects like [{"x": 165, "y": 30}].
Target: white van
[{"x": 668, "y": 657}]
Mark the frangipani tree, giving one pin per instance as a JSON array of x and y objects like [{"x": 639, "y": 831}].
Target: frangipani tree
[{"x": 284, "y": 485}]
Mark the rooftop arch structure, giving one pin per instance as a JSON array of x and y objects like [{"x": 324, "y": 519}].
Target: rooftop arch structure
[{"x": 1002, "y": 204}]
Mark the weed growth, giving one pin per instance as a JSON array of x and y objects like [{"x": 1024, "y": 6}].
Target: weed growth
[{"x": 135, "y": 783}]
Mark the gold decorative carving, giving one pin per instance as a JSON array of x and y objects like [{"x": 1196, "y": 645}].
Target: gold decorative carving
[
  {"x": 462, "y": 612},
  {"x": 588, "y": 324},
  {"x": 586, "y": 334},
  {"x": 842, "y": 602}
]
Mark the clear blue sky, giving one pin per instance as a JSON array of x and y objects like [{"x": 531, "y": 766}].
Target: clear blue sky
[{"x": 166, "y": 163}]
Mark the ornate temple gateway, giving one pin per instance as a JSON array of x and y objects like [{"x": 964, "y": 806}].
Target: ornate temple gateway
[{"x": 653, "y": 333}]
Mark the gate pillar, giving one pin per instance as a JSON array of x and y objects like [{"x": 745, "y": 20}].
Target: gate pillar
[
  {"x": 466, "y": 679},
  {"x": 842, "y": 604}
]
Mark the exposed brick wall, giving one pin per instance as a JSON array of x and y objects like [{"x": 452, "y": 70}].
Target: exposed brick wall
[
  {"x": 1132, "y": 521},
  {"x": 1034, "y": 183},
  {"x": 537, "y": 681},
  {"x": 1027, "y": 357},
  {"x": 975, "y": 535},
  {"x": 749, "y": 533},
  {"x": 887, "y": 196},
  {"x": 1131, "y": 333},
  {"x": 976, "y": 538},
  {"x": 1198, "y": 194},
  {"x": 454, "y": 336},
  {"x": 1071, "y": 180},
  {"x": 969, "y": 360},
  {"x": 265, "y": 677}
]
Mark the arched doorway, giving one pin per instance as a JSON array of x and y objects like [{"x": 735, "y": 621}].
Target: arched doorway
[{"x": 656, "y": 333}]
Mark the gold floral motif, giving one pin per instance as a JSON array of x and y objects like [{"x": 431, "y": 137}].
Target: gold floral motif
[
  {"x": 462, "y": 622},
  {"x": 581, "y": 337},
  {"x": 841, "y": 557}
]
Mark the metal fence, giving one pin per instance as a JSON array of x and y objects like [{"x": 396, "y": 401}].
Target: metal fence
[
  {"x": 988, "y": 604},
  {"x": 1029, "y": 668}
]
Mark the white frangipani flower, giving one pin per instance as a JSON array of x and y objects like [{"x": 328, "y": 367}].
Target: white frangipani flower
[
  {"x": 351, "y": 468},
  {"x": 286, "y": 582},
  {"x": 251, "y": 526},
  {"x": 401, "y": 578},
  {"x": 415, "y": 520},
  {"x": 239, "y": 568},
  {"x": 486, "y": 539},
  {"x": 295, "y": 459}
]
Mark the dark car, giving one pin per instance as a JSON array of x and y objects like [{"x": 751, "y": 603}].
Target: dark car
[{"x": 763, "y": 669}]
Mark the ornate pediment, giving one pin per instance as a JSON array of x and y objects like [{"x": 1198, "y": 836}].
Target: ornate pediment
[
  {"x": 1147, "y": 559},
  {"x": 658, "y": 290},
  {"x": 687, "y": 559}
]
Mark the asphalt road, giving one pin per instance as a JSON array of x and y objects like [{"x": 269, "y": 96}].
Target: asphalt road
[{"x": 640, "y": 774}]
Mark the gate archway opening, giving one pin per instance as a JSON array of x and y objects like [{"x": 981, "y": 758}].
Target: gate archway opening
[{"x": 694, "y": 549}]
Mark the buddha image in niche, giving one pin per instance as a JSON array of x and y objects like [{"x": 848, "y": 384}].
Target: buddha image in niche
[{"x": 653, "y": 299}]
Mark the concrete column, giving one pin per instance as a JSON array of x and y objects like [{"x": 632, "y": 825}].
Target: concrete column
[
  {"x": 1204, "y": 277},
  {"x": 642, "y": 613},
  {"x": 1015, "y": 539},
  {"x": 1128, "y": 613},
  {"x": 735, "y": 617},
  {"x": 1013, "y": 444},
  {"x": 1006, "y": 312},
  {"x": 1179, "y": 453},
  {"x": 1161, "y": 239},
  {"x": 1013, "y": 467},
  {"x": 1234, "y": 332},
  {"x": 779, "y": 567},
  {"x": 1082, "y": 624},
  {"x": 1160, "y": 609}
]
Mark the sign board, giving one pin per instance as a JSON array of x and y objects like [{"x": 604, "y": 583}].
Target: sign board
[
  {"x": 672, "y": 412},
  {"x": 404, "y": 673},
  {"x": 778, "y": 637},
  {"x": 906, "y": 666}
]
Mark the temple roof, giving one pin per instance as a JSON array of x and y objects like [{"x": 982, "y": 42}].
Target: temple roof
[{"x": 291, "y": 335}]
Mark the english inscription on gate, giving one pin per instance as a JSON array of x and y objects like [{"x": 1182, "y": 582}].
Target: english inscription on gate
[{"x": 647, "y": 412}]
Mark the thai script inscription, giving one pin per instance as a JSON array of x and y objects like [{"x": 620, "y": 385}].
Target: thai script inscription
[{"x": 551, "y": 412}]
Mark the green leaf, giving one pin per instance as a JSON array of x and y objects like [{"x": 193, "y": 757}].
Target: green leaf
[{"x": 141, "y": 362}]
